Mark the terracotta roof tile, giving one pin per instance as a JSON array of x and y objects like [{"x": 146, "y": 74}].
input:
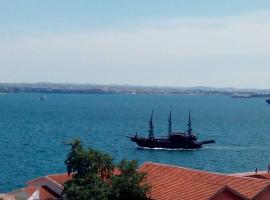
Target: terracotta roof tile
[{"x": 182, "y": 183}]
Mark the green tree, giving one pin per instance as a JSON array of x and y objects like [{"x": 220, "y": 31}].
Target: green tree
[
  {"x": 96, "y": 177},
  {"x": 129, "y": 183}
]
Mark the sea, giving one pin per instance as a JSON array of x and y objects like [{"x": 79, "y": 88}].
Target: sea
[{"x": 34, "y": 134}]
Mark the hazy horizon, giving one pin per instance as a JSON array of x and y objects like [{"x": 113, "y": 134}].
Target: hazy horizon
[{"x": 154, "y": 43}]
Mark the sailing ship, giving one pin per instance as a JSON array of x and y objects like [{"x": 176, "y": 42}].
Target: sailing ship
[{"x": 174, "y": 140}]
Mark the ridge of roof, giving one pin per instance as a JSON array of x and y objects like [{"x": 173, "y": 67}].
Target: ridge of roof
[
  {"x": 55, "y": 178},
  {"x": 175, "y": 166}
]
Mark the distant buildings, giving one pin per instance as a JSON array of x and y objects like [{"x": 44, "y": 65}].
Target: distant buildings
[{"x": 167, "y": 183}]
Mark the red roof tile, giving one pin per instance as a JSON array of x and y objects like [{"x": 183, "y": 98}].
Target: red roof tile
[{"x": 186, "y": 184}]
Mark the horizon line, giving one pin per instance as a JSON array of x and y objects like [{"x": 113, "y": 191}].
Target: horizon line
[{"x": 136, "y": 85}]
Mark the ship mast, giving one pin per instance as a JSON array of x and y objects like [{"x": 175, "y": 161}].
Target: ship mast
[
  {"x": 189, "y": 123},
  {"x": 170, "y": 123},
  {"x": 151, "y": 127}
]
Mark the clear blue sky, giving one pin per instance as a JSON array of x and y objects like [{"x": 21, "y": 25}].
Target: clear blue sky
[{"x": 142, "y": 42}]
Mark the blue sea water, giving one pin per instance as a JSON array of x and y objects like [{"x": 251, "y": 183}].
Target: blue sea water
[{"x": 34, "y": 133}]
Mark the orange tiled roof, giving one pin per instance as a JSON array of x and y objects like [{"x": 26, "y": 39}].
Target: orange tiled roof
[
  {"x": 60, "y": 178},
  {"x": 171, "y": 182}
]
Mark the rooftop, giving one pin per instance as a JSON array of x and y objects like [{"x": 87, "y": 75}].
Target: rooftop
[
  {"x": 182, "y": 183},
  {"x": 171, "y": 183}
]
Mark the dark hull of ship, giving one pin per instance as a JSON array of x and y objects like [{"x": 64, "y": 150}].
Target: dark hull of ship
[
  {"x": 167, "y": 144},
  {"x": 268, "y": 101}
]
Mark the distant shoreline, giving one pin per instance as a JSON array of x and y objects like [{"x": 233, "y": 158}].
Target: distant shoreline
[{"x": 69, "y": 88}]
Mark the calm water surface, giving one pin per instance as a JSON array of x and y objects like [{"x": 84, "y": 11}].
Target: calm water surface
[{"x": 33, "y": 133}]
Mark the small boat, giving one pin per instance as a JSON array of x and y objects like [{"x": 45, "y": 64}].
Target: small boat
[
  {"x": 174, "y": 140},
  {"x": 42, "y": 98},
  {"x": 268, "y": 101}
]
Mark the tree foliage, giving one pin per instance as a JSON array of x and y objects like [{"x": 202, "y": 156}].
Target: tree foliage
[
  {"x": 129, "y": 184},
  {"x": 96, "y": 177}
]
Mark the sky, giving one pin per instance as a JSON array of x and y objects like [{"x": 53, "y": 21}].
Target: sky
[{"x": 141, "y": 42}]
